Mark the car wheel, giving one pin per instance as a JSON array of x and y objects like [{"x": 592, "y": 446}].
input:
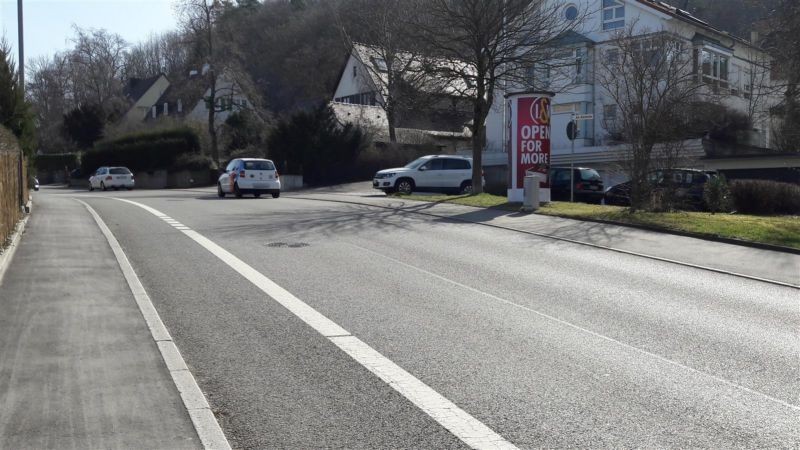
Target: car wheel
[
  {"x": 220, "y": 192},
  {"x": 257, "y": 194},
  {"x": 102, "y": 186},
  {"x": 276, "y": 194},
  {"x": 466, "y": 188},
  {"x": 236, "y": 192},
  {"x": 404, "y": 186}
]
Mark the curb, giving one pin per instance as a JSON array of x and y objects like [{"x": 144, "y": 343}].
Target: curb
[
  {"x": 557, "y": 238},
  {"x": 705, "y": 237},
  {"x": 16, "y": 237}
]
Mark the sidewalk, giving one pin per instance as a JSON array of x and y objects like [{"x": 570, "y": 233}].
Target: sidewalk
[
  {"x": 770, "y": 265},
  {"x": 78, "y": 366}
]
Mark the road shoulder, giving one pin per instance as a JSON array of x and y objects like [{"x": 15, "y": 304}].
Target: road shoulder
[{"x": 78, "y": 367}]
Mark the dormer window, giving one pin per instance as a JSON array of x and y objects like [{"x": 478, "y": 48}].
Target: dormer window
[
  {"x": 613, "y": 14},
  {"x": 380, "y": 64}
]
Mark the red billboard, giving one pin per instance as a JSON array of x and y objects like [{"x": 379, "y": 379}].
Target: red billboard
[{"x": 533, "y": 137}]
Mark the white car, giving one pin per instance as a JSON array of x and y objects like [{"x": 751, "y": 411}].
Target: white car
[
  {"x": 111, "y": 177},
  {"x": 249, "y": 176},
  {"x": 429, "y": 173}
]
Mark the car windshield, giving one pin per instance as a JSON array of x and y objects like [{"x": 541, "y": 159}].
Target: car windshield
[
  {"x": 119, "y": 171},
  {"x": 589, "y": 175},
  {"x": 416, "y": 163},
  {"x": 259, "y": 165}
]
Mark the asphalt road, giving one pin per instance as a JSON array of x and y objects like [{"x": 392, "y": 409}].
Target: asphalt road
[{"x": 549, "y": 344}]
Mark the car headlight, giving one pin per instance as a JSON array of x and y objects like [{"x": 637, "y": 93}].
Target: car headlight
[{"x": 384, "y": 175}]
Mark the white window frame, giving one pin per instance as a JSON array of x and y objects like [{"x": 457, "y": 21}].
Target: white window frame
[
  {"x": 715, "y": 75},
  {"x": 616, "y": 10}
]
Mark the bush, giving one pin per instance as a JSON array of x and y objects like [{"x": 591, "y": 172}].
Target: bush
[
  {"x": 765, "y": 197},
  {"x": 316, "y": 145},
  {"x": 192, "y": 161},
  {"x": 716, "y": 195},
  {"x": 56, "y": 162},
  {"x": 143, "y": 151}
]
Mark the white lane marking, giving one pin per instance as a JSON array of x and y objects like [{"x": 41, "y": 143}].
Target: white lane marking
[
  {"x": 584, "y": 330},
  {"x": 460, "y": 423},
  {"x": 205, "y": 424}
]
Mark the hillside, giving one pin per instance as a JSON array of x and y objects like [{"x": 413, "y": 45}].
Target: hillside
[{"x": 738, "y": 17}]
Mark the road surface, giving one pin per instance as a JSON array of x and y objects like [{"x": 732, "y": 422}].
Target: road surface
[{"x": 545, "y": 343}]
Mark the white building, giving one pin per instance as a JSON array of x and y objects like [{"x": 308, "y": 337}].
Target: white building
[{"x": 720, "y": 59}]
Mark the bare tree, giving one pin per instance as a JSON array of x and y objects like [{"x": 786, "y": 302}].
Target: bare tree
[
  {"x": 783, "y": 41},
  {"x": 391, "y": 55},
  {"x": 649, "y": 84},
  {"x": 477, "y": 46},
  {"x": 97, "y": 63},
  {"x": 49, "y": 92},
  {"x": 159, "y": 53}
]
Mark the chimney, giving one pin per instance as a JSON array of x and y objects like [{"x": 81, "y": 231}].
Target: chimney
[
  {"x": 166, "y": 108},
  {"x": 180, "y": 106},
  {"x": 754, "y": 37}
]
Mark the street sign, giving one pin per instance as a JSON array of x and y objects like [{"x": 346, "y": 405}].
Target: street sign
[
  {"x": 584, "y": 117},
  {"x": 572, "y": 130}
]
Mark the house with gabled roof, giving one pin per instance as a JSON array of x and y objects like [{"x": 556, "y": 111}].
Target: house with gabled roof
[
  {"x": 725, "y": 64},
  {"x": 441, "y": 119},
  {"x": 144, "y": 94}
]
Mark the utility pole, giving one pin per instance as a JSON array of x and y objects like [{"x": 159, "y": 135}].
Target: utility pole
[{"x": 21, "y": 46}]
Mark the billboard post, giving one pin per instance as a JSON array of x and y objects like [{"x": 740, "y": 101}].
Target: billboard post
[{"x": 528, "y": 140}]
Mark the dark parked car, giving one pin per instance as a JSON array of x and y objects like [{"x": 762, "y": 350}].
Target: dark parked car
[
  {"x": 686, "y": 185},
  {"x": 588, "y": 184}
]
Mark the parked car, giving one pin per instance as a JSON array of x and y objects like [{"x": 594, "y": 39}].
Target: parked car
[
  {"x": 35, "y": 183},
  {"x": 249, "y": 176},
  {"x": 440, "y": 173},
  {"x": 687, "y": 186},
  {"x": 588, "y": 184},
  {"x": 111, "y": 178}
]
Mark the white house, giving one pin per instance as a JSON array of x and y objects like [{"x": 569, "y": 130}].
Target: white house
[
  {"x": 359, "y": 98},
  {"x": 720, "y": 59},
  {"x": 229, "y": 99}
]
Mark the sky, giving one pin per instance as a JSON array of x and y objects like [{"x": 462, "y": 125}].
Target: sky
[{"x": 48, "y": 23}]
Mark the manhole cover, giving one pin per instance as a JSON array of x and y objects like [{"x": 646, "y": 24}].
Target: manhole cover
[{"x": 287, "y": 245}]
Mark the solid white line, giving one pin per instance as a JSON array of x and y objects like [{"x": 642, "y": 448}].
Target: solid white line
[
  {"x": 584, "y": 330},
  {"x": 460, "y": 423},
  {"x": 206, "y": 425}
]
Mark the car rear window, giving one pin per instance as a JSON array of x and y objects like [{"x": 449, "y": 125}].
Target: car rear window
[
  {"x": 119, "y": 171},
  {"x": 590, "y": 175},
  {"x": 259, "y": 165}
]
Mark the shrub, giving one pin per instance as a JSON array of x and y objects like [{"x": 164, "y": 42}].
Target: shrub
[
  {"x": 56, "y": 162},
  {"x": 192, "y": 161},
  {"x": 716, "y": 195},
  {"x": 143, "y": 151},
  {"x": 765, "y": 197},
  {"x": 315, "y": 144}
]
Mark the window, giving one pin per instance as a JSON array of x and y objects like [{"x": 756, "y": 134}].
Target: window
[
  {"x": 589, "y": 175},
  {"x": 380, "y": 64},
  {"x": 613, "y": 14},
  {"x": 610, "y": 112},
  {"x": 435, "y": 164},
  {"x": 571, "y": 12},
  {"x": 612, "y": 56},
  {"x": 259, "y": 165},
  {"x": 565, "y": 108},
  {"x": 355, "y": 72},
  {"x": 456, "y": 164},
  {"x": 714, "y": 68},
  {"x": 119, "y": 171},
  {"x": 231, "y": 165}
]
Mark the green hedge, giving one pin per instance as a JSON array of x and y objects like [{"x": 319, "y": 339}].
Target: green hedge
[
  {"x": 56, "y": 162},
  {"x": 765, "y": 197},
  {"x": 143, "y": 151}
]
